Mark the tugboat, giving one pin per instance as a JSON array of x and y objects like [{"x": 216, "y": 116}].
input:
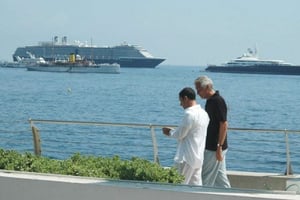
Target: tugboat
[{"x": 75, "y": 64}]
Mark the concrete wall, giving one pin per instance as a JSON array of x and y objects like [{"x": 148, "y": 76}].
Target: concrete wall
[
  {"x": 261, "y": 181},
  {"x": 32, "y": 186}
]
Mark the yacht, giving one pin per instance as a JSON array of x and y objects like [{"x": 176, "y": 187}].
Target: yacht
[{"x": 250, "y": 63}]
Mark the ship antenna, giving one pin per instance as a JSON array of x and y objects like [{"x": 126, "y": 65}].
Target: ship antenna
[
  {"x": 255, "y": 50},
  {"x": 92, "y": 56}
]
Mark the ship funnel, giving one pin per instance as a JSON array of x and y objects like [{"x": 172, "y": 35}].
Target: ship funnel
[
  {"x": 72, "y": 58},
  {"x": 55, "y": 39},
  {"x": 64, "y": 40}
]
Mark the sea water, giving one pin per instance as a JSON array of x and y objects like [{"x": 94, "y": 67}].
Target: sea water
[{"x": 151, "y": 96}]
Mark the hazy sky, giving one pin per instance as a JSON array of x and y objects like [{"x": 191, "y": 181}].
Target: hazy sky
[{"x": 185, "y": 32}]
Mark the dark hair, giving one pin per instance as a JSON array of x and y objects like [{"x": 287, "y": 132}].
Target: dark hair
[{"x": 188, "y": 92}]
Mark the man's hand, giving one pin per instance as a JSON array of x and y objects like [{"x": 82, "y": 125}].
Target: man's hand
[
  {"x": 166, "y": 131},
  {"x": 219, "y": 154}
]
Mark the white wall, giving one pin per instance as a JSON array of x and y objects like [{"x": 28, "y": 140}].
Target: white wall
[{"x": 30, "y": 186}]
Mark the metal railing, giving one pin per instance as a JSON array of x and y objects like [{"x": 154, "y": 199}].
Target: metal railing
[
  {"x": 36, "y": 134},
  {"x": 152, "y": 127},
  {"x": 287, "y": 146}
]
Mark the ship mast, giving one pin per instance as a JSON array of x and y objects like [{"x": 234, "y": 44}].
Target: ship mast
[
  {"x": 255, "y": 50},
  {"x": 52, "y": 52},
  {"x": 92, "y": 56}
]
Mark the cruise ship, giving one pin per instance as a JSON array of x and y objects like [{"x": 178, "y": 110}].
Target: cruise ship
[
  {"x": 125, "y": 55},
  {"x": 251, "y": 64}
]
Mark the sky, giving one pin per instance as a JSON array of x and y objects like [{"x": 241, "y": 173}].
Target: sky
[{"x": 187, "y": 33}]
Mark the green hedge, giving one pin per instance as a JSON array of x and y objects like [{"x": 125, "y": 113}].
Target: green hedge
[{"x": 90, "y": 166}]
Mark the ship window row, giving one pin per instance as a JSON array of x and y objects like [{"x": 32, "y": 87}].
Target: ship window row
[{"x": 62, "y": 51}]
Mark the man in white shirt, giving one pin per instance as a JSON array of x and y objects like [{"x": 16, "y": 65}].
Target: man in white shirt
[{"x": 191, "y": 136}]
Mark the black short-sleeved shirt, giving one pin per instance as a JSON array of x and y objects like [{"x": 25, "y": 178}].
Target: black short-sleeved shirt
[{"x": 217, "y": 111}]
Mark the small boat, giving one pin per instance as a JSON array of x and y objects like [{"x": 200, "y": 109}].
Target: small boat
[
  {"x": 251, "y": 64},
  {"x": 75, "y": 64},
  {"x": 24, "y": 62}
]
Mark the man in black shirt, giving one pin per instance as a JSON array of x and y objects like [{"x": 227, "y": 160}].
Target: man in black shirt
[{"x": 214, "y": 165}]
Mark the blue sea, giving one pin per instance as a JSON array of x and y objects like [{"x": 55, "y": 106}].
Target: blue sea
[{"x": 148, "y": 96}]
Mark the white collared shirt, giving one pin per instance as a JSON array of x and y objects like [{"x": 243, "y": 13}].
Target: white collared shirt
[{"x": 191, "y": 136}]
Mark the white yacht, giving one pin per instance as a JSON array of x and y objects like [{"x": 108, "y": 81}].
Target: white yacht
[{"x": 250, "y": 63}]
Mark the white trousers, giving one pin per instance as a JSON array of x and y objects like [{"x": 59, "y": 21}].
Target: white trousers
[{"x": 191, "y": 176}]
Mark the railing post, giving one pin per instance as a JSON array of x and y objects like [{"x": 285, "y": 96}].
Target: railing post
[
  {"x": 36, "y": 140},
  {"x": 289, "y": 170},
  {"x": 154, "y": 143}
]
